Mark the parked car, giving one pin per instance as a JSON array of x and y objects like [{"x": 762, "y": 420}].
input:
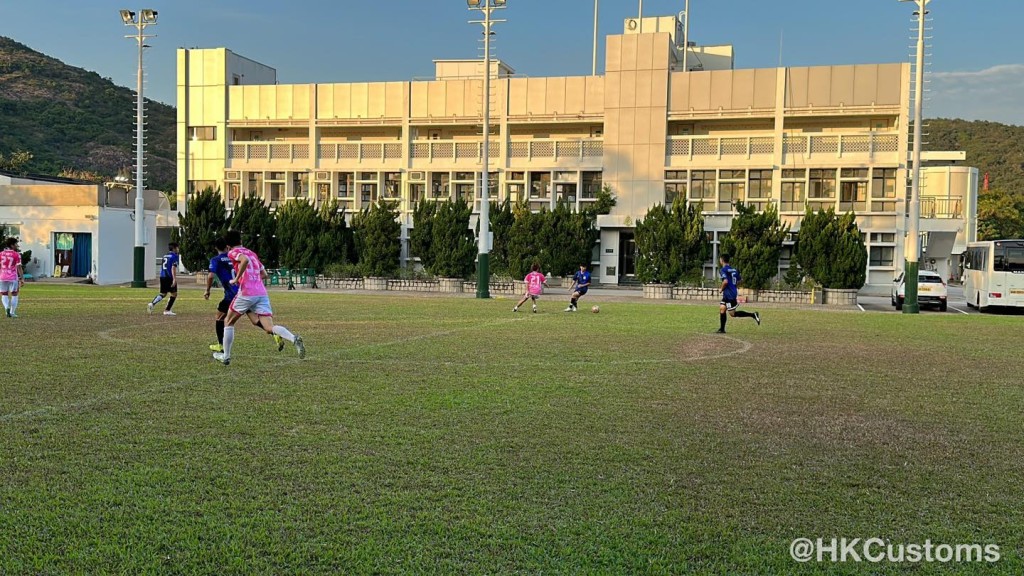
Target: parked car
[{"x": 931, "y": 290}]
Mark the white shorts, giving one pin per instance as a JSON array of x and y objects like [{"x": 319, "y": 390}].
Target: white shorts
[
  {"x": 259, "y": 305},
  {"x": 9, "y": 286}
]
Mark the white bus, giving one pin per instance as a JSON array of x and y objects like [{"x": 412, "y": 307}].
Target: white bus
[{"x": 994, "y": 273}]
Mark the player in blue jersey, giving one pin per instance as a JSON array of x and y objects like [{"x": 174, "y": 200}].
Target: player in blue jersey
[
  {"x": 580, "y": 285},
  {"x": 168, "y": 279},
  {"x": 730, "y": 279}
]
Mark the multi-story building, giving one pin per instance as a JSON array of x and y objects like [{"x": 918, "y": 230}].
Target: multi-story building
[{"x": 797, "y": 137}]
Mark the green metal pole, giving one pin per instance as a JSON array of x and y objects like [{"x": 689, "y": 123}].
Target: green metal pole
[
  {"x": 140, "y": 267},
  {"x": 483, "y": 275}
]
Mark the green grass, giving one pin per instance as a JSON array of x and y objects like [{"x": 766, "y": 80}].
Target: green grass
[{"x": 447, "y": 435}]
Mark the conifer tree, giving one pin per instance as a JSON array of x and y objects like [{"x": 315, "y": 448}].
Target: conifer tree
[
  {"x": 755, "y": 243},
  {"x": 378, "y": 239},
  {"x": 205, "y": 220}
]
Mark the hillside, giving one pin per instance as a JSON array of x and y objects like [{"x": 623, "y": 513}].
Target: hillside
[
  {"x": 994, "y": 148},
  {"x": 70, "y": 118}
]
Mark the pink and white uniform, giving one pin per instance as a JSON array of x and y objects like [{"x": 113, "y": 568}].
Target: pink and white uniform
[
  {"x": 534, "y": 283},
  {"x": 252, "y": 294},
  {"x": 251, "y": 283},
  {"x": 9, "y": 262}
]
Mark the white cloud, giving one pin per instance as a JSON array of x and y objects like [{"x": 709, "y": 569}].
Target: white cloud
[{"x": 990, "y": 94}]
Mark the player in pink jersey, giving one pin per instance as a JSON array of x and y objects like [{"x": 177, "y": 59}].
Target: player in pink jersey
[
  {"x": 12, "y": 277},
  {"x": 252, "y": 300},
  {"x": 535, "y": 283}
]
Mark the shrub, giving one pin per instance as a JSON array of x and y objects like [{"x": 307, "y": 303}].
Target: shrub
[
  {"x": 754, "y": 243},
  {"x": 830, "y": 249},
  {"x": 252, "y": 217},
  {"x": 453, "y": 248},
  {"x": 659, "y": 236},
  {"x": 205, "y": 220},
  {"x": 378, "y": 239}
]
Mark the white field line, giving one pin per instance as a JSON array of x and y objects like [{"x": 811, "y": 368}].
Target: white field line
[
  {"x": 861, "y": 307},
  {"x": 959, "y": 310}
]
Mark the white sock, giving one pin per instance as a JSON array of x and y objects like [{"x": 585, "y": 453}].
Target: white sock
[
  {"x": 14, "y": 304},
  {"x": 6, "y": 300},
  {"x": 284, "y": 333},
  {"x": 158, "y": 298},
  {"x": 229, "y": 339}
]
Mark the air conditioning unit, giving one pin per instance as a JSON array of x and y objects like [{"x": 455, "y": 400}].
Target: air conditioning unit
[
  {"x": 232, "y": 175},
  {"x": 323, "y": 176},
  {"x": 416, "y": 176}
]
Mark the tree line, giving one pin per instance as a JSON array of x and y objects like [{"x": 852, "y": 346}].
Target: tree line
[
  {"x": 673, "y": 247},
  {"x": 299, "y": 235}
]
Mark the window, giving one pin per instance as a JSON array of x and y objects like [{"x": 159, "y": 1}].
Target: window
[
  {"x": 1008, "y": 259},
  {"x": 276, "y": 193},
  {"x": 540, "y": 185},
  {"x": 300, "y": 185},
  {"x": 323, "y": 191},
  {"x": 346, "y": 184},
  {"x": 877, "y": 237},
  {"x": 592, "y": 183},
  {"x": 9, "y": 230},
  {"x": 853, "y": 196},
  {"x": 254, "y": 186},
  {"x": 759, "y": 191},
  {"x": 702, "y": 188},
  {"x": 202, "y": 133},
  {"x": 881, "y": 256},
  {"x": 464, "y": 191},
  {"x": 673, "y": 191},
  {"x": 465, "y": 176},
  {"x": 368, "y": 193},
  {"x": 392, "y": 185},
  {"x": 675, "y": 175},
  {"x": 821, "y": 190},
  {"x": 729, "y": 193},
  {"x": 196, "y": 186},
  {"x": 439, "y": 185},
  {"x": 883, "y": 190}
]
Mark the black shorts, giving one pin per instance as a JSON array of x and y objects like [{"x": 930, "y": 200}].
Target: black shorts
[
  {"x": 167, "y": 285},
  {"x": 729, "y": 303},
  {"x": 583, "y": 290},
  {"x": 224, "y": 305}
]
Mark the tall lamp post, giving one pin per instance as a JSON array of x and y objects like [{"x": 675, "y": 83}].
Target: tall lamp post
[
  {"x": 910, "y": 301},
  {"x": 139, "y": 21},
  {"x": 483, "y": 269}
]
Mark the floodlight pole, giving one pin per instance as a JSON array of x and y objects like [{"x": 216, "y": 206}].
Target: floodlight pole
[
  {"x": 483, "y": 271},
  {"x": 139, "y": 21},
  {"x": 910, "y": 300}
]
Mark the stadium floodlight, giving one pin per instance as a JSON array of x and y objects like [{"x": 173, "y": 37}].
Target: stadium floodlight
[
  {"x": 146, "y": 17},
  {"x": 483, "y": 264}
]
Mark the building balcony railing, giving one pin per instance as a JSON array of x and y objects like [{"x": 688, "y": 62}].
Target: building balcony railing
[
  {"x": 761, "y": 149},
  {"x": 856, "y": 146},
  {"x": 451, "y": 151},
  {"x": 267, "y": 152},
  {"x": 942, "y": 207},
  {"x": 359, "y": 153}
]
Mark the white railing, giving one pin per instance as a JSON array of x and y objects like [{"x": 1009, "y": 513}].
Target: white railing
[
  {"x": 268, "y": 151},
  {"x": 721, "y": 146},
  {"x": 556, "y": 149},
  {"x": 840, "y": 145},
  {"x": 359, "y": 152},
  {"x": 451, "y": 150},
  {"x": 809, "y": 145}
]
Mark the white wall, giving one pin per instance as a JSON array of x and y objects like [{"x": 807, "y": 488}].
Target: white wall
[{"x": 38, "y": 223}]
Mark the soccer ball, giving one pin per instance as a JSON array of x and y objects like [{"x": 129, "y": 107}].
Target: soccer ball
[{"x": 595, "y": 309}]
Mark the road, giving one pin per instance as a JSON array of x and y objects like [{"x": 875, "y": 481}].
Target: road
[{"x": 956, "y": 304}]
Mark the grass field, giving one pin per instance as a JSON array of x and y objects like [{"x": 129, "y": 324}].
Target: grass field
[{"x": 447, "y": 435}]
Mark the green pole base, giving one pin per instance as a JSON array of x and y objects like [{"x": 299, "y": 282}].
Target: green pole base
[
  {"x": 139, "y": 280},
  {"x": 483, "y": 276},
  {"x": 910, "y": 302}
]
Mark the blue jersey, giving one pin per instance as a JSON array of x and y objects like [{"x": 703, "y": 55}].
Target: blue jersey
[
  {"x": 732, "y": 277},
  {"x": 221, "y": 266},
  {"x": 582, "y": 279},
  {"x": 169, "y": 263}
]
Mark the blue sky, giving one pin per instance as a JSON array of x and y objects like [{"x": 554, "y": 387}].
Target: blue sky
[{"x": 978, "y": 49}]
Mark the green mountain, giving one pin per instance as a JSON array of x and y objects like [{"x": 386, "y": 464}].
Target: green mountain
[
  {"x": 996, "y": 149},
  {"x": 75, "y": 121}
]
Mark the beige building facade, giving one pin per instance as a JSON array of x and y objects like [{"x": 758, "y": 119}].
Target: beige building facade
[{"x": 825, "y": 136}]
